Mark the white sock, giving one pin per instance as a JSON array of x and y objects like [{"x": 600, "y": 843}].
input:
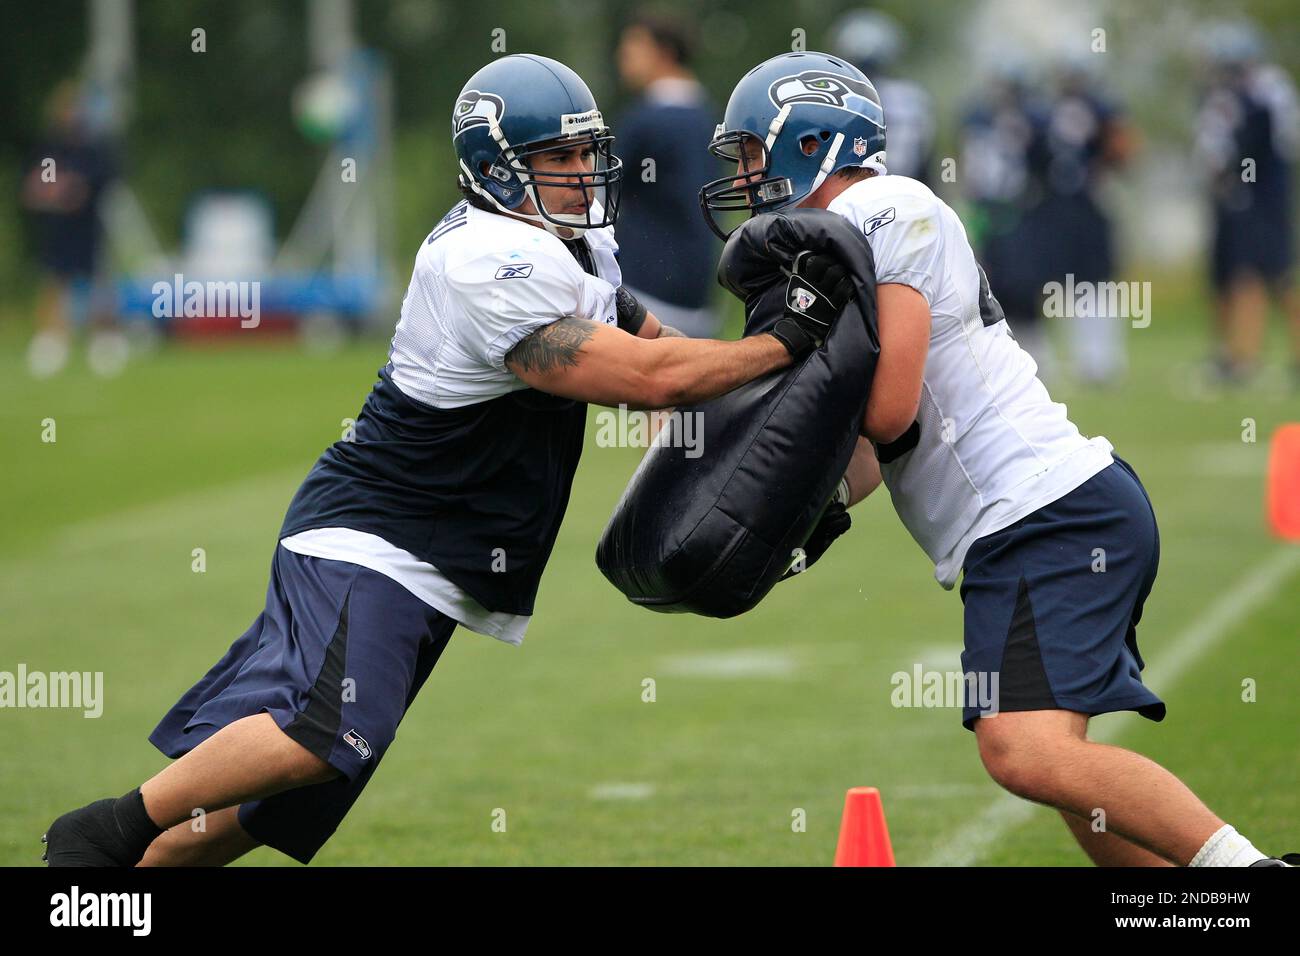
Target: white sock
[
  {"x": 108, "y": 352},
  {"x": 47, "y": 354},
  {"x": 1227, "y": 847}
]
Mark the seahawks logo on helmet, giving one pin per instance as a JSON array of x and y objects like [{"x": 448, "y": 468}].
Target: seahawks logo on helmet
[
  {"x": 476, "y": 109},
  {"x": 828, "y": 89}
]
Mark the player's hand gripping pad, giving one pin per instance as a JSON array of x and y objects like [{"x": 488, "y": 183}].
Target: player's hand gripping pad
[{"x": 711, "y": 526}]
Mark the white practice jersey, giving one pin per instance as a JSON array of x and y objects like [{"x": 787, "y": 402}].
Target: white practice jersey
[
  {"x": 993, "y": 446},
  {"x": 481, "y": 283}
]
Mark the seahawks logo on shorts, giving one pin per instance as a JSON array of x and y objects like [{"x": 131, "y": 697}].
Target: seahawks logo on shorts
[
  {"x": 828, "y": 89},
  {"x": 476, "y": 109},
  {"x": 358, "y": 743}
]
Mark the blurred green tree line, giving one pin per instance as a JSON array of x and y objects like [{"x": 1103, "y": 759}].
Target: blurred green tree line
[{"x": 223, "y": 118}]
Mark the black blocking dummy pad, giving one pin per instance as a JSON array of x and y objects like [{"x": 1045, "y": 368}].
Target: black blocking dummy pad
[{"x": 709, "y": 524}]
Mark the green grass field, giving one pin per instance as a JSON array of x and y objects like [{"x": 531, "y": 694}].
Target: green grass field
[{"x": 781, "y": 709}]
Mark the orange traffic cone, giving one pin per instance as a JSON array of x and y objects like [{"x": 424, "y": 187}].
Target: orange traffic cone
[
  {"x": 864, "y": 838},
  {"x": 1284, "y": 483}
]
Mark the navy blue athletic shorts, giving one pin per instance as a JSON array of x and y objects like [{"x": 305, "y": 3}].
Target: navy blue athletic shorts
[
  {"x": 336, "y": 658},
  {"x": 1052, "y": 603},
  {"x": 1252, "y": 243}
]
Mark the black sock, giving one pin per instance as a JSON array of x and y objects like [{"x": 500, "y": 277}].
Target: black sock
[
  {"x": 107, "y": 832},
  {"x": 133, "y": 821}
]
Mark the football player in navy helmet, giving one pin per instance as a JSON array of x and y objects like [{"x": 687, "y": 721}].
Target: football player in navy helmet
[
  {"x": 510, "y": 158},
  {"x": 988, "y": 474},
  {"x": 791, "y": 122},
  {"x": 439, "y": 510}
]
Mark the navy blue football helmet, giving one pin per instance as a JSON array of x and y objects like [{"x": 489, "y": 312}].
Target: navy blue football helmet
[
  {"x": 517, "y": 108},
  {"x": 791, "y": 122}
]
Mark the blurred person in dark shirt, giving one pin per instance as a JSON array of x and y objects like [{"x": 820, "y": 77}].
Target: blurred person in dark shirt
[
  {"x": 1247, "y": 142},
  {"x": 873, "y": 42},
  {"x": 665, "y": 247},
  {"x": 63, "y": 188},
  {"x": 1086, "y": 137},
  {"x": 1003, "y": 144}
]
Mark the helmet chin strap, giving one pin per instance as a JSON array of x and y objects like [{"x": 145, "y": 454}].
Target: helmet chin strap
[
  {"x": 828, "y": 163},
  {"x": 774, "y": 128},
  {"x": 575, "y": 231}
]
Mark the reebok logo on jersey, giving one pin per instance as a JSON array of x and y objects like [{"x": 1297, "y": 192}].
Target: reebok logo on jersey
[
  {"x": 521, "y": 270},
  {"x": 358, "y": 743},
  {"x": 879, "y": 219},
  {"x": 802, "y": 300}
]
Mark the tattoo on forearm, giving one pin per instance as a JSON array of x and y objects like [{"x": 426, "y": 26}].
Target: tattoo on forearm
[
  {"x": 668, "y": 332},
  {"x": 553, "y": 346}
]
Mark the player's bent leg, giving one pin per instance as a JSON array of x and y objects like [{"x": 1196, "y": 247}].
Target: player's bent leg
[
  {"x": 327, "y": 673},
  {"x": 1021, "y": 750},
  {"x": 1045, "y": 756},
  {"x": 391, "y": 642},
  {"x": 1061, "y": 637},
  {"x": 218, "y": 840},
  {"x": 245, "y": 760},
  {"x": 294, "y": 766},
  {"x": 1105, "y": 848}
]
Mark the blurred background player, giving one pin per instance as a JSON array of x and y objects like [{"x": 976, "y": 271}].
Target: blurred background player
[
  {"x": 873, "y": 42},
  {"x": 1002, "y": 137},
  {"x": 665, "y": 249},
  {"x": 63, "y": 188},
  {"x": 1086, "y": 137},
  {"x": 1247, "y": 140}
]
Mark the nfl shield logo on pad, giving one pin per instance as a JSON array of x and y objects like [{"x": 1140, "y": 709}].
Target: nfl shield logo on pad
[
  {"x": 859, "y": 146},
  {"x": 803, "y": 300}
]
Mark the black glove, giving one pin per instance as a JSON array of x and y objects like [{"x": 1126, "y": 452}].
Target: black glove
[
  {"x": 834, "y": 522},
  {"x": 816, "y": 294}
]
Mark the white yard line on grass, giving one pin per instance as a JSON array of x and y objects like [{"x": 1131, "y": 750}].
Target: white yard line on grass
[
  {"x": 972, "y": 841},
  {"x": 622, "y": 791},
  {"x": 737, "y": 664},
  {"x": 935, "y": 657},
  {"x": 200, "y": 507}
]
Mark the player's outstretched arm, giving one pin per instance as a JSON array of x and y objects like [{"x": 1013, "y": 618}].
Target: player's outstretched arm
[{"x": 598, "y": 363}]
